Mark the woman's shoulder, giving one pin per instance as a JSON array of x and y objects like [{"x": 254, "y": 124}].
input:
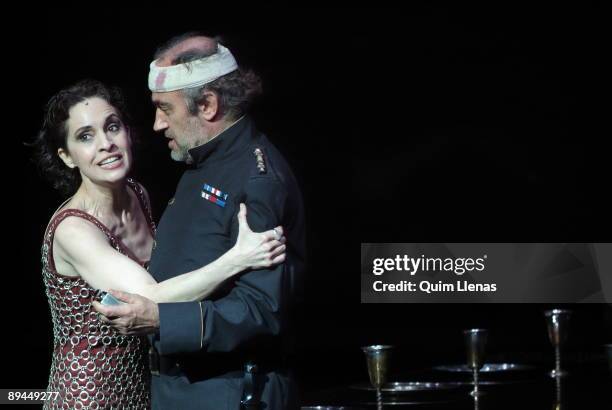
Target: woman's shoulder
[
  {"x": 73, "y": 237},
  {"x": 77, "y": 225}
]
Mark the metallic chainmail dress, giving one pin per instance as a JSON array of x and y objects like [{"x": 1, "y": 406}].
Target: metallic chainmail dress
[{"x": 93, "y": 366}]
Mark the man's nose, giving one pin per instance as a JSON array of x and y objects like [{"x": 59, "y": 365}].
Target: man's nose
[{"x": 160, "y": 122}]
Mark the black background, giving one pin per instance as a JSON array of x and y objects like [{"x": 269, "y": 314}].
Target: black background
[{"x": 426, "y": 124}]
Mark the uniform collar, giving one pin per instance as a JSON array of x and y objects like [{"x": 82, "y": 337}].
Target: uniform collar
[{"x": 226, "y": 142}]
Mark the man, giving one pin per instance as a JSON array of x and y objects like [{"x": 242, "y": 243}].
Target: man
[{"x": 227, "y": 350}]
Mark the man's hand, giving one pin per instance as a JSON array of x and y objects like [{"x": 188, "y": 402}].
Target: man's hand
[{"x": 138, "y": 316}]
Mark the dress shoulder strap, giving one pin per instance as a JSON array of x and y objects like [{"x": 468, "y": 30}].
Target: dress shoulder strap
[{"x": 144, "y": 203}]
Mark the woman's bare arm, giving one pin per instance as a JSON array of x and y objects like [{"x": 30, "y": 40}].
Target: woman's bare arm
[{"x": 85, "y": 247}]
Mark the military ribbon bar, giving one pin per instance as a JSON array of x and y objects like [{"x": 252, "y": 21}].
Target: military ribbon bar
[
  {"x": 213, "y": 199},
  {"x": 215, "y": 191}
]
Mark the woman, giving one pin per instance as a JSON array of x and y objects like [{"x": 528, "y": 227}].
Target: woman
[{"x": 101, "y": 238}]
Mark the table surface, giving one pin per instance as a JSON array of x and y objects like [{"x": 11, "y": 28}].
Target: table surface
[{"x": 584, "y": 388}]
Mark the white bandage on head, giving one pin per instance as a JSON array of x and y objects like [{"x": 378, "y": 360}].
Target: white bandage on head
[{"x": 192, "y": 74}]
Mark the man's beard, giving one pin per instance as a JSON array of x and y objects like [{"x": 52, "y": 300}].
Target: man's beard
[
  {"x": 181, "y": 153},
  {"x": 192, "y": 137}
]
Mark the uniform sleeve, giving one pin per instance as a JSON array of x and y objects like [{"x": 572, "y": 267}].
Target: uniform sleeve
[
  {"x": 180, "y": 328},
  {"x": 252, "y": 308}
]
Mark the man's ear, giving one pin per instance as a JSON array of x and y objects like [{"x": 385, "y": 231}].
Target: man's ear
[
  {"x": 208, "y": 108},
  {"x": 65, "y": 156}
]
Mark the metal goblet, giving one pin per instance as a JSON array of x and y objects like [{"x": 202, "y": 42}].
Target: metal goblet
[
  {"x": 557, "y": 321},
  {"x": 475, "y": 341},
  {"x": 377, "y": 358}
]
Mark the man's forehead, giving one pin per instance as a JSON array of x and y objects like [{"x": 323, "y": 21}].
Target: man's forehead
[
  {"x": 167, "y": 98},
  {"x": 158, "y": 98}
]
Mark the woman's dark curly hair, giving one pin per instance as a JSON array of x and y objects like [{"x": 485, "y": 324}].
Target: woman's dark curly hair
[{"x": 53, "y": 134}]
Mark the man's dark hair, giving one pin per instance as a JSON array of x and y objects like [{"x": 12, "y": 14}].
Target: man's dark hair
[{"x": 235, "y": 91}]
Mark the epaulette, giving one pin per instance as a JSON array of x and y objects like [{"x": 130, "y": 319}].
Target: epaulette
[{"x": 261, "y": 161}]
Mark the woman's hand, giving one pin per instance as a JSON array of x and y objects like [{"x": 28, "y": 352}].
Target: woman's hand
[{"x": 256, "y": 250}]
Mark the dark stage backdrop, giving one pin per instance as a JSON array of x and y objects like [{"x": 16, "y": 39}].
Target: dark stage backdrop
[{"x": 426, "y": 124}]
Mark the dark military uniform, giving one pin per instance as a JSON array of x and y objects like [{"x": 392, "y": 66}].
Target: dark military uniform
[{"x": 203, "y": 346}]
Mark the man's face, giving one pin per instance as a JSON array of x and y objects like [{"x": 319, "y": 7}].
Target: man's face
[{"x": 184, "y": 130}]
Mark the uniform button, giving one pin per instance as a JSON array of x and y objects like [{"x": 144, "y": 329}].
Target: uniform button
[{"x": 171, "y": 201}]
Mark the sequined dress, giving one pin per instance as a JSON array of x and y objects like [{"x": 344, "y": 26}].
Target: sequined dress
[{"x": 93, "y": 366}]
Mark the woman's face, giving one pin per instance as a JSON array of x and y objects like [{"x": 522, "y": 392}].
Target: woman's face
[{"x": 97, "y": 142}]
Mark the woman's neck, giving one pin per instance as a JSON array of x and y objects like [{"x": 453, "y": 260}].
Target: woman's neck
[{"x": 108, "y": 202}]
